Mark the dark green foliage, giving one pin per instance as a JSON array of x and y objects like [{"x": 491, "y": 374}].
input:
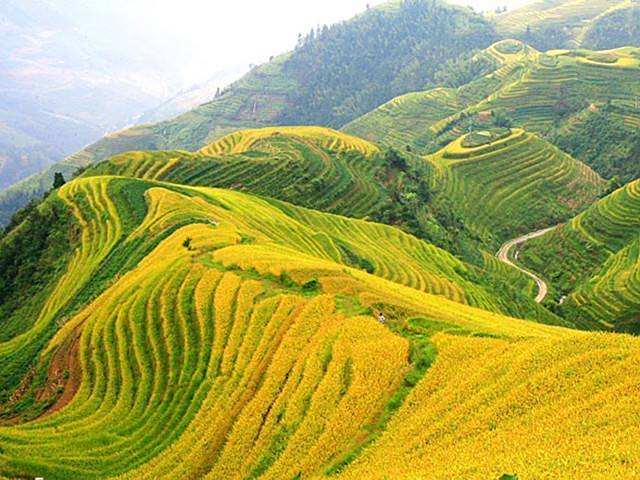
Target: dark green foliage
[
  {"x": 395, "y": 160},
  {"x": 353, "y": 259},
  {"x": 350, "y": 68},
  {"x": 31, "y": 256},
  {"x": 546, "y": 37},
  {"x": 604, "y": 143},
  {"x": 311, "y": 286},
  {"x": 58, "y": 180}
]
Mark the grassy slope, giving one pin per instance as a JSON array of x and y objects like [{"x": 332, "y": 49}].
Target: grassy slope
[
  {"x": 243, "y": 345},
  {"x": 593, "y": 259},
  {"x": 513, "y": 185}
]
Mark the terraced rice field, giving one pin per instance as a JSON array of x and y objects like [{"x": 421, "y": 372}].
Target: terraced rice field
[
  {"x": 514, "y": 185},
  {"x": 228, "y": 336},
  {"x": 417, "y": 119},
  {"x": 309, "y": 166},
  {"x": 595, "y": 253},
  {"x": 490, "y": 407},
  {"x": 561, "y": 79},
  {"x": 406, "y": 120},
  {"x": 538, "y": 92},
  {"x": 573, "y": 16}
]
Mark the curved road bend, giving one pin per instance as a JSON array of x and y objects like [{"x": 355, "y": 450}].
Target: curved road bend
[{"x": 503, "y": 256}]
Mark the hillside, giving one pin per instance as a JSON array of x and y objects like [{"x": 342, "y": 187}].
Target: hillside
[
  {"x": 408, "y": 121},
  {"x": 325, "y": 80},
  {"x": 592, "y": 261},
  {"x": 329, "y": 171},
  {"x": 581, "y": 100},
  {"x": 205, "y": 333},
  {"x": 552, "y": 24},
  {"x": 509, "y": 182},
  {"x": 407, "y": 249},
  {"x": 616, "y": 28}
]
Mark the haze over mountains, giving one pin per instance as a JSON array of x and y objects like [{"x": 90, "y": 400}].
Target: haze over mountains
[{"x": 408, "y": 248}]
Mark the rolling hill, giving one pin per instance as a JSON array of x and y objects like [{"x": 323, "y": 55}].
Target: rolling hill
[
  {"x": 204, "y": 333},
  {"x": 233, "y": 294},
  {"x": 325, "y": 80},
  {"x": 330, "y": 171},
  {"x": 592, "y": 261}
]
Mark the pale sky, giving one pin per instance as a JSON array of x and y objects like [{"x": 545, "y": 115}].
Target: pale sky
[{"x": 220, "y": 34}]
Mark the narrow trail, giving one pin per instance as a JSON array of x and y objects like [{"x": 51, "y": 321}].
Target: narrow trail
[{"x": 503, "y": 256}]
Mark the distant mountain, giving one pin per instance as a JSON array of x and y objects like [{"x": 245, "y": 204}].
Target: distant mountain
[
  {"x": 334, "y": 75},
  {"x": 549, "y": 24},
  {"x": 66, "y": 80}
]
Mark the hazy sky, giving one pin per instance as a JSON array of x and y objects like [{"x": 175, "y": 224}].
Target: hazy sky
[{"x": 218, "y": 34}]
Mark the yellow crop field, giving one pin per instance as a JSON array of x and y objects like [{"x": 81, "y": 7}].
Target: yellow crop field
[
  {"x": 205, "y": 361},
  {"x": 245, "y": 140}
]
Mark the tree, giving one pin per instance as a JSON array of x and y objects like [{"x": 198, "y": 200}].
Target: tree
[{"x": 58, "y": 180}]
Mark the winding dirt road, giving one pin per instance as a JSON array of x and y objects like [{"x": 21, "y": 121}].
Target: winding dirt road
[{"x": 503, "y": 256}]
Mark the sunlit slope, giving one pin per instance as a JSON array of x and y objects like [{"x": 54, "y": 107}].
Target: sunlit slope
[
  {"x": 513, "y": 185},
  {"x": 213, "y": 314},
  {"x": 593, "y": 259},
  {"x": 108, "y": 213},
  {"x": 321, "y": 169},
  {"x": 561, "y": 408},
  {"x": 243, "y": 141},
  {"x": 409, "y": 120},
  {"x": 238, "y": 340},
  {"x": 310, "y": 166}
]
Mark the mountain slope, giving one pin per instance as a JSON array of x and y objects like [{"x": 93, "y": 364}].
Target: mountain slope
[
  {"x": 616, "y": 28},
  {"x": 512, "y": 182},
  {"x": 549, "y": 24},
  {"x": 540, "y": 92},
  {"x": 327, "y": 81},
  {"x": 228, "y": 337},
  {"x": 407, "y": 121},
  {"x": 327, "y": 170},
  {"x": 593, "y": 261}
]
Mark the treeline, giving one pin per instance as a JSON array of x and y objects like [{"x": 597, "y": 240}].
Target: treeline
[{"x": 350, "y": 68}]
